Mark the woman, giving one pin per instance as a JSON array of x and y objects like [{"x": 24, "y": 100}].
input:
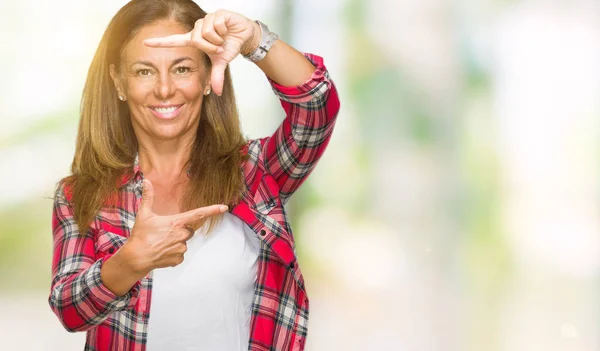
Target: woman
[{"x": 159, "y": 152}]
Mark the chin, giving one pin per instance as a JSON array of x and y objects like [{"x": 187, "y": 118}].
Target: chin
[{"x": 168, "y": 133}]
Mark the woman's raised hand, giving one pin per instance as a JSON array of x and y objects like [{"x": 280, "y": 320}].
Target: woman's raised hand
[
  {"x": 222, "y": 35},
  {"x": 160, "y": 241}
]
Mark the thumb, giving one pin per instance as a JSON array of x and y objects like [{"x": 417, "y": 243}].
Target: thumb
[
  {"x": 147, "y": 198},
  {"x": 217, "y": 76}
]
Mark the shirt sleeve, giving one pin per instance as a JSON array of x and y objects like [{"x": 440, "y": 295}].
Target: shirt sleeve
[
  {"x": 78, "y": 297},
  {"x": 291, "y": 153}
]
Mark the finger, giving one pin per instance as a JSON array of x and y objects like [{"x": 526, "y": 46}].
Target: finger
[
  {"x": 204, "y": 45},
  {"x": 181, "y": 248},
  {"x": 217, "y": 76},
  {"x": 189, "y": 232},
  {"x": 145, "y": 208},
  {"x": 183, "y": 233},
  {"x": 176, "y": 260},
  {"x": 198, "y": 214},
  {"x": 208, "y": 30},
  {"x": 170, "y": 41},
  {"x": 219, "y": 25}
]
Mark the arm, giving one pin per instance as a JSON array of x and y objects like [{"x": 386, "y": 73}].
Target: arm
[
  {"x": 311, "y": 104},
  {"x": 311, "y": 108},
  {"x": 78, "y": 296}
]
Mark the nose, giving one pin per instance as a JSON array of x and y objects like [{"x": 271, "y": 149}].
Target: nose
[{"x": 165, "y": 86}]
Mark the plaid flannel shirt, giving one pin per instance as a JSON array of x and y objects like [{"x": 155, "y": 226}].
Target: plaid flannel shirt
[{"x": 276, "y": 167}]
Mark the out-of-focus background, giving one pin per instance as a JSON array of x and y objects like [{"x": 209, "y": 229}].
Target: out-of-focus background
[{"x": 457, "y": 207}]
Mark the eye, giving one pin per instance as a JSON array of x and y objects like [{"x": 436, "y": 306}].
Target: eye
[
  {"x": 143, "y": 72},
  {"x": 182, "y": 70}
]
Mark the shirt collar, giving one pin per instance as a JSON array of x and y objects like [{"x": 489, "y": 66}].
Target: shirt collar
[
  {"x": 136, "y": 164},
  {"x": 134, "y": 174}
]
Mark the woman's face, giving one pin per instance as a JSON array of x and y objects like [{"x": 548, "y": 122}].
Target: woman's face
[{"x": 164, "y": 87}]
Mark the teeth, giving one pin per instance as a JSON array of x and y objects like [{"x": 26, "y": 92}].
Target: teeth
[{"x": 165, "y": 110}]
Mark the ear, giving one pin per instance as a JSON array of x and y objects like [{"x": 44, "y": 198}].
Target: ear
[
  {"x": 206, "y": 88},
  {"x": 207, "y": 81},
  {"x": 116, "y": 78}
]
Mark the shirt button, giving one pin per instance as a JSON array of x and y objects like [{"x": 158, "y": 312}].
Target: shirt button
[
  {"x": 271, "y": 203},
  {"x": 111, "y": 250},
  {"x": 263, "y": 232}
]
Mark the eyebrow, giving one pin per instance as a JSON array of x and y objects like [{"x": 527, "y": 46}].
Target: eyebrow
[{"x": 176, "y": 61}]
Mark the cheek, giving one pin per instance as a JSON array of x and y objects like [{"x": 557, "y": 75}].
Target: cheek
[
  {"x": 191, "y": 89},
  {"x": 138, "y": 91}
]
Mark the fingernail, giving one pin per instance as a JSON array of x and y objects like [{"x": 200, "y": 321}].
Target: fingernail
[{"x": 223, "y": 208}]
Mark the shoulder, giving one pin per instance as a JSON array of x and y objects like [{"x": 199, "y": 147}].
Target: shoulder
[{"x": 64, "y": 190}]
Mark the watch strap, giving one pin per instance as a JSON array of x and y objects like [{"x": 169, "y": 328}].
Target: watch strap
[{"x": 266, "y": 42}]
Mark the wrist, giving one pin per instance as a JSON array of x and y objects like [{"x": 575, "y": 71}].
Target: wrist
[
  {"x": 128, "y": 259},
  {"x": 118, "y": 274},
  {"x": 253, "y": 42}
]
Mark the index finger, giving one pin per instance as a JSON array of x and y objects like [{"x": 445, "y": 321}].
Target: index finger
[
  {"x": 198, "y": 214},
  {"x": 170, "y": 41}
]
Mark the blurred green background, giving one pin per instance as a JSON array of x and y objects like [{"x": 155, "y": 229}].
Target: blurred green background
[{"x": 457, "y": 207}]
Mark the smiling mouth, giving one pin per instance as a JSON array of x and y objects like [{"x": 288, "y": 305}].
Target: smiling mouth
[{"x": 166, "y": 112}]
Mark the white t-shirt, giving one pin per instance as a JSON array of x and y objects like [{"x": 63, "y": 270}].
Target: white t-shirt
[{"x": 205, "y": 302}]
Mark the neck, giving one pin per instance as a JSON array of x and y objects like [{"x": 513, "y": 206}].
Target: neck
[{"x": 164, "y": 159}]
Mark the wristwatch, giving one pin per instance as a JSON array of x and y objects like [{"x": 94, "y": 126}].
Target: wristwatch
[{"x": 266, "y": 41}]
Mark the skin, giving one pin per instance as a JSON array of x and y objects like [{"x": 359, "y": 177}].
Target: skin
[{"x": 160, "y": 233}]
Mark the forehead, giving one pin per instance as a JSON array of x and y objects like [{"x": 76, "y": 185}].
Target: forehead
[{"x": 135, "y": 50}]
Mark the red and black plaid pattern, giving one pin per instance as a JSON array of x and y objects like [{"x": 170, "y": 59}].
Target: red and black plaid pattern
[{"x": 277, "y": 166}]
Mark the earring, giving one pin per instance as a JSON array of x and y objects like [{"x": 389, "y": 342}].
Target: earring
[
  {"x": 122, "y": 98},
  {"x": 207, "y": 91}
]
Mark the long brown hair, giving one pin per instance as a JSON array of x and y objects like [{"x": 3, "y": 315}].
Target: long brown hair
[{"x": 106, "y": 144}]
